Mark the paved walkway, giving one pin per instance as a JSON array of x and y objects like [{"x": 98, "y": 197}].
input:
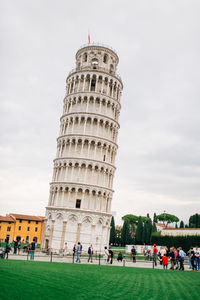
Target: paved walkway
[{"x": 84, "y": 260}]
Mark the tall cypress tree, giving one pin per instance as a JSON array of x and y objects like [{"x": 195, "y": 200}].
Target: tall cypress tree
[
  {"x": 112, "y": 231},
  {"x": 154, "y": 218},
  {"x": 182, "y": 224},
  {"x": 126, "y": 237},
  {"x": 149, "y": 232},
  {"x": 139, "y": 232}
]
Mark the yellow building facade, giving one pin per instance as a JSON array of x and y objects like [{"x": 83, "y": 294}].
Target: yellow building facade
[{"x": 20, "y": 227}]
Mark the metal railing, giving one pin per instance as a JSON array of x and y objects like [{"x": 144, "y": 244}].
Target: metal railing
[{"x": 99, "y": 45}]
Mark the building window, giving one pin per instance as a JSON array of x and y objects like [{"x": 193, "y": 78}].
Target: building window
[
  {"x": 105, "y": 59},
  {"x": 36, "y": 222},
  {"x": 36, "y": 229},
  {"x": 9, "y": 222},
  {"x": 93, "y": 84},
  {"x": 29, "y": 222},
  {"x": 8, "y": 228},
  {"x": 28, "y": 228},
  {"x": 0, "y": 227},
  {"x": 85, "y": 57},
  {"x": 78, "y": 203},
  {"x": 104, "y": 158},
  {"x": 95, "y": 63},
  {"x": 20, "y": 221},
  {"x": 27, "y": 239},
  {"x": 19, "y": 228}
]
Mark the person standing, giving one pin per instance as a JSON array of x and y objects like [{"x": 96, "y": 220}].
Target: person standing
[
  {"x": 90, "y": 253},
  {"x": 32, "y": 250},
  {"x": 172, "y": 258},
  {"x": 197, "y": 257},
  {"x": 15, "y": 246},
  {"x": 182, "y": 257},
  {"x": 19, "y": 247},
  {"x": 162, "y": 253},
  {"x": 78, "y": 251},
  {"x": 133, "y": 253},
  {"x": 176, "y": 252},
  {"x": 155, "y": 251},
  {"x": 165, "y": 261},
  {"x": 111, "y": 254},
  {"x": 120, "y": 257},
  {"x": 106, "y": 255},
  {"x": 192, "y": 256}
]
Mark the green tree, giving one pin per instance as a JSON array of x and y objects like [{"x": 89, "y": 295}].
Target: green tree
[
  {"x": 154, "y": 218},
  {"x": 167, "y": 218},
  {"x": 112, "y": 231},
  {"x": 194, "y": 221},
  {"x": 139, "y": 232},
  {"x": 132, "y": 219},
  {"x": 182, "y": 224},
  {"x": 149, "y": 232},
  {"x": 126, "y": 237}
]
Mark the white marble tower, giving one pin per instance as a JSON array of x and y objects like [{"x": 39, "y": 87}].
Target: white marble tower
[{"x": 79, "y": 207}]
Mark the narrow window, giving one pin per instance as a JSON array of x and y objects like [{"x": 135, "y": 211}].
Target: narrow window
[
  {"x": 104, "y": 158},
  {"x": 78, "y": 203},
  {"x": 28, "y": 228},
  {"x": 27, "y": 239},
  {"x": 8, "y": 228},
  {"x": 93, "y": 84},
  {"x": 20, "y": 221},
  {"x": 29, "y": 221},
  {"x": 8, "y": 237},
  {"x": 36, "y": 222},
  {"x": 105, "y": 58},
  {"x": 19, "y": 228},
  {"x": 85, "y": 57},
  {"x": 36, "y": 229}
]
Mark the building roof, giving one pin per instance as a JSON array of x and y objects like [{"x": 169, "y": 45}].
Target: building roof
[
  {"x": 27, "y": 217},
  {"x": 6, "y": 219},
  {"x": 172, "y": 228},
  {"x": 165, "y": 226}
]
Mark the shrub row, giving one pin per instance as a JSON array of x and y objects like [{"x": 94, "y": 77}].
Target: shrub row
[{"x": 177, "y": 241}]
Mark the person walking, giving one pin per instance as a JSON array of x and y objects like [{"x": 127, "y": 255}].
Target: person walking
[
  {"x": 90, "y": 253},
  {"x": 182, "y": 257},
  {"x": 155, "y": 251},
  {"x": 133, "y": 253},
  {"x": 197, "y": 258},
  {"x": 106, "y": 255},
  {"x": 78, "y": 251},
  {"x": 32, "y": 250}
]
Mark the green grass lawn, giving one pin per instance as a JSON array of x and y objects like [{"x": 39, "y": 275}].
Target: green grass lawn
[{"x": 44, "y": 280}]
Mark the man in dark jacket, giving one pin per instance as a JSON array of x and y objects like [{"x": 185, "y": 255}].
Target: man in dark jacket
[{"x": 32, "y": 250}]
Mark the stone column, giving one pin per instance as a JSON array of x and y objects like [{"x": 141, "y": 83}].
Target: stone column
[
  {"x": 51, "y": 233},
  {"x": 43, "y": 234},
  {"x": 63, "y": 235},
  {"x": 78, "y": 234}
]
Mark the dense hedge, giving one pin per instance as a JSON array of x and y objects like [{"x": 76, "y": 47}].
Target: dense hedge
[{"x": 177, "y": 241}]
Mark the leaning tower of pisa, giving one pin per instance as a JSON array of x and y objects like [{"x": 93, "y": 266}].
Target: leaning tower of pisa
[{"x": 79, "y": 207}]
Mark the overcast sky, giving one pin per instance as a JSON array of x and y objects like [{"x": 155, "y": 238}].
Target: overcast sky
[{"x": 158, "y": 161}]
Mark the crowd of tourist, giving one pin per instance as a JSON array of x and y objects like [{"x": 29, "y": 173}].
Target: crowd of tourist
[{"x": 173, "y": 258}]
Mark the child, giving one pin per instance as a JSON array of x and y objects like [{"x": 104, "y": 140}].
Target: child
[{"x": 165, "y": 261}]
